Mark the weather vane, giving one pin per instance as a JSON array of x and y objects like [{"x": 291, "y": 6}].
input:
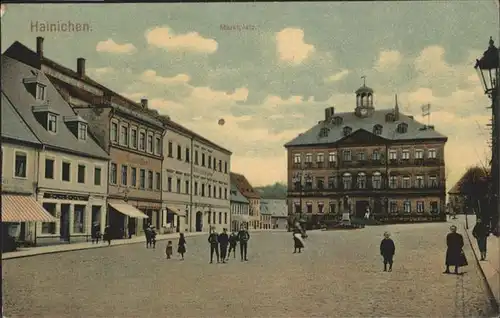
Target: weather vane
[{"x": 364, "y": 80}]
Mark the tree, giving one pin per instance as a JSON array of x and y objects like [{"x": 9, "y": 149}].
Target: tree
[
  {"x": 474, "y": 188},
  {"x": 274, "y": 191}
]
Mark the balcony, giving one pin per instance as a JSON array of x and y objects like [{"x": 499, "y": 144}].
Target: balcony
[{"x": 368, "y": 187}]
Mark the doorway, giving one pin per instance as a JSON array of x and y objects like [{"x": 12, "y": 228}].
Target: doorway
[
  {"x": 377, "y": 206},
  {"x": 96, "y": 215},
  {"x": 199, "y": 221},
  {"x": 361, "y": 208},
  {"x": 64, "y": 219}
]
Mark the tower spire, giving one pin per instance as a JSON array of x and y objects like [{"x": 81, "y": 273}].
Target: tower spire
[
  {"x": 396, "y": 106},
  {"x": 364, "y": 80}
]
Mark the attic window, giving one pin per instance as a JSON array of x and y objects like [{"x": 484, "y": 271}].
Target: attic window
[
  {"x": 347, "y": 130},
  {"x": 402, "y": 128},
  {"x": 324, "y": 132},
  {"x": 389, "y": 117},
  {"x": 82, "y": 131},
  {"x": 40, "y": 91},
  {"x": 377, "y": 129},
  {"x": 337, "y": 120},
  {"x": 52, "y": 122}
]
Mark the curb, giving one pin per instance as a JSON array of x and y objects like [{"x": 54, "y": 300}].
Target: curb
[{"x": 489, "y": 291}]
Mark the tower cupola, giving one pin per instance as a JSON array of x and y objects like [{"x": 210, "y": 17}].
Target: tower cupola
[{"x": 364, "y": 100}]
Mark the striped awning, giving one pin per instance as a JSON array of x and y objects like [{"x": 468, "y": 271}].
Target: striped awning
[
  {"x": 174, "y": 210},
  {"x": 23, "y": 208},
  {"x": 128, "y": 210}
]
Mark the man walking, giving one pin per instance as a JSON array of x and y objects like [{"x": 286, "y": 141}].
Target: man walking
[
  {"x": 213, "y": 239},
  {"x": 223, "y": 242},
  {"x": 243, "y": 237},
  {"x": 480, "y": 232}
]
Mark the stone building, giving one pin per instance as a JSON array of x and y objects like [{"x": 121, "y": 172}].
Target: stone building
[
  {"x": 129, "y": 131},
  {"x": 253, "y": 197},
  {"x": 195, "y": 181},
  {"x": 381, "y": 161},
  {"x": 71, "y": 169},
  {"x": 279, "y": 212},
  {"x": 240, "y": 208}
]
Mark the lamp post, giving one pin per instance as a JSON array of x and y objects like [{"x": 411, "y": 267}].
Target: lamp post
[{"x": 487, "y": 68}]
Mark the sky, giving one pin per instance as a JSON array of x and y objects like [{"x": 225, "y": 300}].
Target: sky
[{"x": 272, "y": 78}]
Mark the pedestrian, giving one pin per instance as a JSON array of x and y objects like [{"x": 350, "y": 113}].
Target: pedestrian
[
  {"x": 297, "y": 240},
  {"x": 233, "y": 240},
  {"x": 153, "y": 237},
  {"x": 387, "y": 250},
  {"x": 243, "y": 237},
  {"x": 168, "y": 250},
  {"x": 147, "y": 233},
  {"x": 96, "y": 232},
  {"x": 481, "y": 232},
  {"x": 454, "y": 253},
  {"x": 181, "y": 246},
  {"x": 223, "y": 243},
  {"x": 130, "y": 228},
  {"x": 107, "y": 234},
  {"x": 213, "y": 239}
]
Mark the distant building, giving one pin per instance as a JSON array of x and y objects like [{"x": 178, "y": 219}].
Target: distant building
[
  {"x": 265, "y": 216},
  {"x": 380, "y": 160},
  {"x": 253, "y": 197},
  {"x": 279, "y": 212},
  {"x": 240, "y": 208}
]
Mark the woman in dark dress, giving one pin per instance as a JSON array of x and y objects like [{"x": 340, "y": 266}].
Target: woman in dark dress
[
  {"x": 181, "y": 249},
  {"x": 298, "y": 245},
  {"x": 454, "y": 253}
]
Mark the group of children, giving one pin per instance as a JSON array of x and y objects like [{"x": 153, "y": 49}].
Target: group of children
[{"x": 181, "y": 247}]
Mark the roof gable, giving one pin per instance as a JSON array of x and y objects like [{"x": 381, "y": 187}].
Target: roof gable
[
  {"x": 361, "y": 136},
  {"x": 241, "y": 182},
  {"x": 13, "y": 126}
]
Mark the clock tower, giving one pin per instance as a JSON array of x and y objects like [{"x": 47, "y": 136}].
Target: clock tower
[{"x": 364, "y": 100}]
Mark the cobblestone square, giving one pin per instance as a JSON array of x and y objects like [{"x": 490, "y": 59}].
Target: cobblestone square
[{"x": 339, "y": 274}]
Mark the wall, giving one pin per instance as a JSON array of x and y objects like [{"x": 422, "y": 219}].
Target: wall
[{"x": 10, "y": 183}]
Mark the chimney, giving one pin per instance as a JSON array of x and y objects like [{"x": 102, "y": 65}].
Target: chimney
[
  {"x": 144, "y": 103},
  {"x": 329, "y": 112},
  {"x": 39, "y": 46},
  {"x": 80, "y": 66}
]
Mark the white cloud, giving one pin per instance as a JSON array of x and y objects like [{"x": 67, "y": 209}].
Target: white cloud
[
  {"x": 337, "y": 76},
  {"x": 388, "y": 61},
  {"x": 291, "y": 47},
  {"x": 150, "y": 76},
  {"x": 110, "y": 46},
  {"x": 164, "y": 37},
  {"x": 101, "y": 70}
]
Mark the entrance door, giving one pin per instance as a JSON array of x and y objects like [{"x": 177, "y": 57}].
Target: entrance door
[
  {"x": 361, "y": 208},
  {"x": 96, "y": 214},
  {"x": 199, "y": 221},
  {"x": 64, "y": 229},
  {"x": 377, "y": 206}
]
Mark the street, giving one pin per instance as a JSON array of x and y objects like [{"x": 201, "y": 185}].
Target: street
[{"x": 339, "y": 274}]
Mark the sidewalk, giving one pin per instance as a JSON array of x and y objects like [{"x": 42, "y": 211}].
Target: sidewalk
[
  {"x": 491, "y": 266},
  {"x": 33, "y": 251}
]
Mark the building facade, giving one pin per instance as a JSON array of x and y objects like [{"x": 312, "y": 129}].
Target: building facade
[
  {"x": 129, "y": 131},
  {"x": 279, "y": 212},
  {"x": 265, "y": 216},
  {"x": 253, "y": 197},
  {"x": 240, "y": 208},
  {"x": 71, "y": 167},
  {"x": 380, "y": 161}
]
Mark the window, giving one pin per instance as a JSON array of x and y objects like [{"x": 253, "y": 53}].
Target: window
[
  {"x": 79, "y": 219},
  {"x": 66, "y": 171},
  {"x": 419, "y": 182},
  {"x": 361, "y": 156},
  {"x": 377, "y": 180},
  {"x": 202, "y": 190},
  {"x": 376, "y": 155},
  {"x": 187, "y": 155},
  {"x": 124, "y": 135},
  {"x": 49, "y": 227},
  {"x": 150, "y": 144},
  {"x": 434, "y": 207},
  {"x": 405, "y": 155},
  {"x": 209, "y": 161},
  {"x": 21, "y": 165},
  {"x": 157, "y": 146},
  {"x": 49, "y": 169},
  {"x": 331, "y": 182},
  {"x": 393, "y": 207},
  {"x": 81, "y": 174},
  {"x": 309, "y": 158},
  {"x": 320, "y": 207},
  {"x": 332, "y": 157},
  {"x": 225, "y": 193},
  {"x": 209, "y": 190},
  {"x": 402, "y": 128},
  {"x": 213, "y": 219},
  {"x": 220, "y": 217},
  {"x": 186, "y": 186},
  {"x": 320, "y": 158},
  {"x": 133, "y": 137},
  {"x": 332, "y": 207},
  {"x": 308, "y": 182},
  {"x": 309, "y": 207},
  {"x": 170, "y": 149},
  {"x": 203, "y": 160},
  {"x": 169, "y": 184},
  {"x": 347, "y": 180},
  {"x": 82, "y": 131},
  {"x": 419, "y": 154},
  {"x": 377, "y": 130},
  {"x": 209, "y": 217},
  {"x": 179, "y": 152},
  {"x": 133, "y": 177},
  {"x": 112, "y": 174},
  {"x": 393, "y": 155},
  {"x": 215, "y": 164},
  {"x": 431, "y": 154},
  {"x": 114, "y": 132},
  {"x": 346, "y": 155},
  {"x": 150, "y": 180},
  {"x": 320, "y": 183},
  {"x": 225, "y": 218},
  {"x": 196, "y": 157},
  {"x": 220, "y": 165},
  {"x": 347, "y": 131},
  {"x": 407, "y": 206},
  {"x": 97, "y": 176},
  {"x": 433, "y": 182},
  {"x": 158, "y": 181},
  {"x": 40, "y": 92},
  {"x": 196, "y": 188},
  {"x": 142, "y": 179},
  {"x": 142, "y": 140},
  {"x": 393, "y": 182},
  {"x": 225, "y": 166},
  {"x": 420, "y": 206},
  {"x": 297, "y": 208},
  {"x": 406, "y": 182},
  {"x": 178, "y": 188},
  {"x": 361, "y": 180},
  {"x": 124, "y": 175},
  {"x": 52, "y": 123}
]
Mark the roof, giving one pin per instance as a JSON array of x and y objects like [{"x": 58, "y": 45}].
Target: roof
[
  {"x": 471, "y": 178},
  {"x": 244, "y": 186},
  {"x": 13, "y": 126},
  {"x": 364, "y": 89},
  {"x": 415, "y": 130},
  {"x": 236, "y": 196},
  {"x": 265, "y": 209},
  {"x": 13, "y": 74},
  {"x": 277, "y": 208}
]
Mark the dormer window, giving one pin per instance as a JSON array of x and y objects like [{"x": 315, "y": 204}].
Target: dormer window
[
  {"x": 40, "y": 92},
  {"x": 377, "y": 129},
  {"x": 337, "y": 120},
  {"x": 82, "y": 131},
  {"x": 52, "y": 122},
  {"x": 324, "y": 132},
  {"x": 402, "y": 128},
  {"x": 347, "y": 130}
]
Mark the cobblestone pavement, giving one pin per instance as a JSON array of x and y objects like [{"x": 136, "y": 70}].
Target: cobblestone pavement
[{"x": 338, "y": 275}]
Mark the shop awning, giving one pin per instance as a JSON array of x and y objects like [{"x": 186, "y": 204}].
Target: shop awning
[
  {"x": 128, "y": 210},
  {"x": 23, "y": 208},
  {"x": 176, "y": 211},
  {"x": 240, "y": 217}
]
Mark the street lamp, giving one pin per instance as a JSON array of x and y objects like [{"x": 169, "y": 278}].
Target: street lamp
[{"x": 487, "y": 68}]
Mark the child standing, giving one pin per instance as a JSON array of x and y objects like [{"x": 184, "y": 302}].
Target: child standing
[
  {"x": 168, "y": 250},
  {"x": 181, "y": 246},
  {"x": 233, "y": 240},
  {"x": 387, "y": 250}
]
